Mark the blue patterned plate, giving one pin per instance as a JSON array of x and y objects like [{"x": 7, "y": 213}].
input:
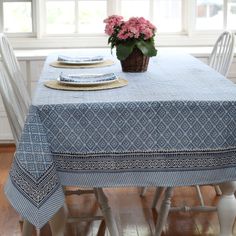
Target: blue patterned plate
[
  {"x": 87, "y": 79},
  {"x": 80, "y": 60}
]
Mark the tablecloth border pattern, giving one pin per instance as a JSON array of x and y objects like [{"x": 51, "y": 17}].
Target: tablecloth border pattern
[
  {"x": 145, "y": 161},
  {"x": 38, "y": 216}
]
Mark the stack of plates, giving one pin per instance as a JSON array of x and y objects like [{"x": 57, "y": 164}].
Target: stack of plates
[
  {"x": 87, "y": 79},
  {"x": 80, "y": 60}
]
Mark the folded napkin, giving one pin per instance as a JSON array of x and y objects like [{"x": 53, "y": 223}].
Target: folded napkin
[
  {"x": 87, "y": 78},
  {"x": 79, "y": 59}
]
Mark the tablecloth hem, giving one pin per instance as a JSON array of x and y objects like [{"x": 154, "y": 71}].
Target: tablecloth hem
[{"x": 36, "y": 216}]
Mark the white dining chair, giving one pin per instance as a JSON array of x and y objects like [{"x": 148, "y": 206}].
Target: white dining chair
[
  {"x": 220, "y": 60},
  {"x": 12, "y": 82},
  {"x": 12, "y": 89},
  {"x": 222, "y": 54},
  {"x": 16, "y": 101}
]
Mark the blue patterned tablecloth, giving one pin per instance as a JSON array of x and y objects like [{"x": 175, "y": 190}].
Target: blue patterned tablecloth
[{"x": 172, "y": 125}]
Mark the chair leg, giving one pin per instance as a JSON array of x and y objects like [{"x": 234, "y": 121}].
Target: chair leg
[
  {"x": 106, "y": 210},
  {"x": 227, "y": 208},
  {"x": 218, "y": 190},
  {"x": 164, "y": 211},
  {"x": 27, "y": 228},
  {"x": 143, "y": 191},
  {"x": 157, "y": 195},
  {"x": 199, "y": 195},
  {"x": 58, "y": 222}
]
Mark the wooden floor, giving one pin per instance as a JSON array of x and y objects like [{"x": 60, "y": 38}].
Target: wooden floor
[{"x": 134, "y": 214}]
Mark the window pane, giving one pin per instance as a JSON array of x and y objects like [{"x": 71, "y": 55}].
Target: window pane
[
  {"x": 91, "y": 16},
  {"x": 209, "y": 14},
  {"x": 60, "y": 17},
  {"x": 232, "y": 14},
  {"x": 17, "y": 17},
  {"x": 168, "y": 15},
  {"x": 135, "y": 8}
]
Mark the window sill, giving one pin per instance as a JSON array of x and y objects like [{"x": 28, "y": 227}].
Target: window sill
[
  {"x": 100, "y": 41},
  {"x": 41, "y": 54}
]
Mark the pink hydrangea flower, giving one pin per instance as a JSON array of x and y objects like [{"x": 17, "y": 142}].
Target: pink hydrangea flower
[
  {"x": 111, "y": 23},
  {"x": 136, "y": 27}
]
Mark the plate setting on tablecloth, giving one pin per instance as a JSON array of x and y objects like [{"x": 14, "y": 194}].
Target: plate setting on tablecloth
[
  {"x": 86, "y": 79},
  {"x": 86, "y": 82},
  {"x": 70, "y": 60},
  {"x": 82, "y": 62}
]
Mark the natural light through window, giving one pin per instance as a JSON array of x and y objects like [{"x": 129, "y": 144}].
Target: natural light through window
[
  {"x": 165, "y": 14},
  {"x": 91, "y": 16},
  {"x": 232, "y": 14},
  {"x": 60, "y": 17},
  {"x": 178, "y": 22},
  {"x": 17, "y": 17},
  {"x": 131, "y": 8},
  {"x": 81, "y": 16},
  {"x": 209, "y": 14},
  {"x": 168, "y": 15}
]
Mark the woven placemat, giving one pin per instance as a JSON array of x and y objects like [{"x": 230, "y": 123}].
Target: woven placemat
[
  {"x": 58, "y": 64},
  {"x": 53, "y": 84}
]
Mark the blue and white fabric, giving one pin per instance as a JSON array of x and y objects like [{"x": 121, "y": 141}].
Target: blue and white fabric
[{"x": 172, "y": 125}]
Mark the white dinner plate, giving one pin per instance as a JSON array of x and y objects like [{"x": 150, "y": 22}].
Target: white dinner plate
[
  {"x": 80, "y": 60},
  {"x": 87, "y": 79}
]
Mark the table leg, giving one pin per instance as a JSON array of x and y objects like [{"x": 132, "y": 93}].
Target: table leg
[
  {"x": 106, "y": 210},
  {"x": 157, "y": 195},
  {"x": 226, "y": 208},
  {"x": 58, "y": 222}
]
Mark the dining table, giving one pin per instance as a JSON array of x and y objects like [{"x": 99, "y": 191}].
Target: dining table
[{"x": 173, "y": 125}]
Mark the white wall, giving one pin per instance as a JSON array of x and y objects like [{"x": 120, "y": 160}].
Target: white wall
[{"x": 32, "y": 65}]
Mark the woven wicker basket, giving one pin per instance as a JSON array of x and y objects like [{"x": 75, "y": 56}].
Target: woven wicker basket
[{"x": 135, "y": 62}]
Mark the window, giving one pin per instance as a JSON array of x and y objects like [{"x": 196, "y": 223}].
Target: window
[
  {"x": 178, "y": 22},
  {"x": 60, "y": 17},
  {"x": 75, "y": 16},
  {"x": 215, "y": 14},
  {"x": 166, "y": 14},
  {"x": 209, "y": 14},
  {"x": 17, "y": 16},
  {"x": 142, "y": 8},
  {"x": 231, "y": 15}
]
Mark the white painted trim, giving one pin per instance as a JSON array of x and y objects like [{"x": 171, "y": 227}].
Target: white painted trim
[
  {"x": 225, "y": 13},
  {"x": 1, "y": 16},
  {"x": 113, "y": 7},
  {"x": 207, "y": 39},
  {"x": 41, "y": 54},
  {"x": 76, "y": 12},
  {"x": 6, "y": 140},
  {"x": 34, "y": 16}
]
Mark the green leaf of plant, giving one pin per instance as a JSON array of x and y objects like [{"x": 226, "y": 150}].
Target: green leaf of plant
[
  {"x": 124, "y": 50},
  {"x": 147, "y": 48}
]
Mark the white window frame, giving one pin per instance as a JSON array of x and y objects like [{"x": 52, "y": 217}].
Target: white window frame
[
  {"x": 34, "y": 21},
  {"x": 187, "y": 37}
]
